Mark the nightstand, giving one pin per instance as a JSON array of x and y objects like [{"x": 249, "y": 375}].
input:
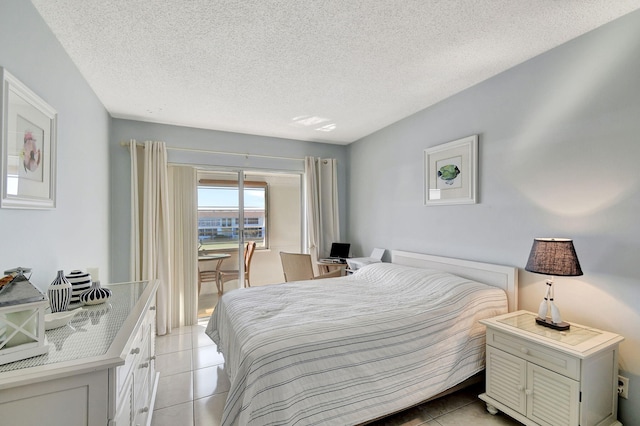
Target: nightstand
[{"x": 541, "y": 376}]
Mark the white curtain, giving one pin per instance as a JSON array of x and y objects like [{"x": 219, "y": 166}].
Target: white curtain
[
  {"x": 321, "y": 185},
  {"x": 183, "y": 201},
  {"x": 150, "y": 231}
]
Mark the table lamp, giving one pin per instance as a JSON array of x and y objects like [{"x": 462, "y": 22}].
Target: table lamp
[{"x": 553, "y": 257}]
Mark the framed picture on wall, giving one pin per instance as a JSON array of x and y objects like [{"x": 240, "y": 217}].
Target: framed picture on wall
[
  {"x": 451, "y": 172},
  {"x": 28, "y": 160}
]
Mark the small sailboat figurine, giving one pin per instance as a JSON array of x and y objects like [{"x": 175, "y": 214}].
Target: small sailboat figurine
[
  {"x": 547, "y": 305},
  {"x": 544, "y": 305}
]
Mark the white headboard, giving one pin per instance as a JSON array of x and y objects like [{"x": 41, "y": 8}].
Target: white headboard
[{"x": 504, "y": 277}]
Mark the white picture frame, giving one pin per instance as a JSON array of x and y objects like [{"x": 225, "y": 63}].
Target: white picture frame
[
  {"x": 28, "y": 147},
  {"x": 451, "y": 172}
]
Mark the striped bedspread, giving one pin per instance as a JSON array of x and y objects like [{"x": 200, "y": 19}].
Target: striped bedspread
[{"x": 346, "y": 350}]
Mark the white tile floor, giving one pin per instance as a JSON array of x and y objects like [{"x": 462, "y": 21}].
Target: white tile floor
[{"x": 193, "y": 388}]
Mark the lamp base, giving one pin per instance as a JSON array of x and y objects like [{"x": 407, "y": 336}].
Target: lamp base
[{"x": 562, "y": 326}]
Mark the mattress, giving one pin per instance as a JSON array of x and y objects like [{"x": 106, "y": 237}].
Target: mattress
[{"x": 350, "y": 349}]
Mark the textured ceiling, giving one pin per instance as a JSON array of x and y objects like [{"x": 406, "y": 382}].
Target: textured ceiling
[{"x": 318, "y": 70}]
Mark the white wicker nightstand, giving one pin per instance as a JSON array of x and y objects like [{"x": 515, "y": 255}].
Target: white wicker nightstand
[{"x": 541, "y": 376}]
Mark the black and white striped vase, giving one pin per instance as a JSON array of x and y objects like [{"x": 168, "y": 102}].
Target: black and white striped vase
[
  {"x": 95, "y": 295},
  {"x": 59, "y": 293},
  {"x": 80, "y": 282}
]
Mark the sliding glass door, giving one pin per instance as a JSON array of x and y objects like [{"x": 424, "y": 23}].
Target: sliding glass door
[{"x": 240, "y": 207}]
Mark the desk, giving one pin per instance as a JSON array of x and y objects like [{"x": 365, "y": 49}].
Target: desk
[
  {"x": 326, "y": 266},
  {"x": 207, "y": 274}
]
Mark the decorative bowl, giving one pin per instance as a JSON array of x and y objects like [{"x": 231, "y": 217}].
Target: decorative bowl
[{"x": 59, "y": 319}]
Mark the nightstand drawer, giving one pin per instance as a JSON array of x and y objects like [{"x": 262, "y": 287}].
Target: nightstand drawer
[{"x": 551, "y": 359}]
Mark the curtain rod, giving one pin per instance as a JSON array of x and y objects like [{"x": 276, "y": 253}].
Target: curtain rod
[{"x": 207, "y": 151}]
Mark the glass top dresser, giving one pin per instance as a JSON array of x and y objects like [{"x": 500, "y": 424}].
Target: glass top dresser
[{"x": 99, "y": 369}]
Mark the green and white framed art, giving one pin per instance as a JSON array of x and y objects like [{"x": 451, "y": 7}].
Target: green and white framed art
[{"x": 451, "y": 172}]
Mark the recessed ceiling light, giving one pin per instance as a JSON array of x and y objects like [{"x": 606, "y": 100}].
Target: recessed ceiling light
[
  {"x": 327, "y": 127},
  {"x": 308, "y": 120}
]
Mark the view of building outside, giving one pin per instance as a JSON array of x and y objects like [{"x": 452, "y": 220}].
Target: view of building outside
[{"x": 219, "y": 219}]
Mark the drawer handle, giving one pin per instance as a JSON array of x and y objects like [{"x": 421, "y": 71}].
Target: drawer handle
[
  {"x": 135, "y": 351},
  {"x": 144, "y": 365},
  {"x": 153, "y": 308},
  {"x": 524, "y": 350}
]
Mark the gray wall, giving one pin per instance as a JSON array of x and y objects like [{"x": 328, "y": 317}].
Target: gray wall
[
  {"x": 558, "y": 157},
  {"x": 559, "y": 154},
  {"x": 75, "y": 235},
  {"x": 207, "y": 140}
]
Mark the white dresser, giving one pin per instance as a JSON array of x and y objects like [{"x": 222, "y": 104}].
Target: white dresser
[
  {"x": 541, "y": 376},
  {"x": 100, "y": 369}
]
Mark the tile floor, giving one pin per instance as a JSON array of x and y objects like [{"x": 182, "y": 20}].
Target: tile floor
[{"x": 193, "y": 388}]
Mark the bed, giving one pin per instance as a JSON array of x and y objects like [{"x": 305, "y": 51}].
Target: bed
[{"x": 352, "y": 349}]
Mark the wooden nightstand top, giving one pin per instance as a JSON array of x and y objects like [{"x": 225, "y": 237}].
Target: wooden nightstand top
[{"x": 579, "y": 340}]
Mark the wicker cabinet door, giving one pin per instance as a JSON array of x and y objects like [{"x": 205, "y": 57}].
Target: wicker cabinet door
[
  {"x": 506, "y": 379},
  {"x": 552, "y": 399}
]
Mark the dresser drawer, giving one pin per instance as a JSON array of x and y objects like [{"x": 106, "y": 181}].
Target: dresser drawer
[
  {"x": 141, "y": 371},
  {"x": 551, "y": 359},
  {"x": 131, "y": 361},
  {"x": 142, "y": 409}
]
